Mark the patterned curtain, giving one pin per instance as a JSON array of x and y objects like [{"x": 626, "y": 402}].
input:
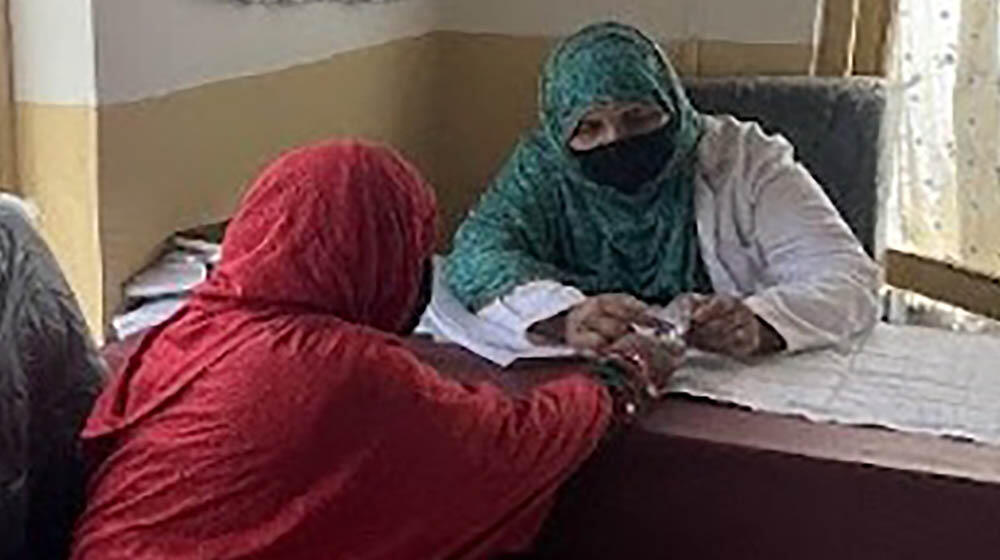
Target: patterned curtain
[{"x": 945, "y": 199}]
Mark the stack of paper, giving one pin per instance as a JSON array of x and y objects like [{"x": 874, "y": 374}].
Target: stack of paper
[{"x": 158, "y": 291}]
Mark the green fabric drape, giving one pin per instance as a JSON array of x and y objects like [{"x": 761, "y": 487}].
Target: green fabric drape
[{"x": 543, "y": 219}]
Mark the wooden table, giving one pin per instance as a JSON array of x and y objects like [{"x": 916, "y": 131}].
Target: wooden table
[{"x": 703, "y": 480}]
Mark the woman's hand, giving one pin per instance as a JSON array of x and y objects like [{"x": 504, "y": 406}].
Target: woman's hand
[
  {"x": 592, "y": 325},
  {"x": 725, "y": 325},
  {"x": 648, "y": 362},
  {"x": 643, "y": 366},
  {"x": 603, "y": 320}
]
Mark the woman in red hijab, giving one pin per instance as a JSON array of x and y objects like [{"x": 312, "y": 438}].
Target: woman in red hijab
[{"x": 278, "y": 416}]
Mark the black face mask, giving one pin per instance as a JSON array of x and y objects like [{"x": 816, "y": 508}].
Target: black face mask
[{"x": 629, "y": 164}]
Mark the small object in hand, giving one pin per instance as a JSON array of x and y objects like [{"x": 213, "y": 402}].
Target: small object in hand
[{"x": 664, "y": 332}]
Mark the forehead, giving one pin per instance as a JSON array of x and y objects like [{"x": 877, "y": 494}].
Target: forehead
[{"x": 616, "y": 108}]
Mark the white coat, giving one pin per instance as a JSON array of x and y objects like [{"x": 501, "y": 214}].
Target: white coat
[{"x": 768, "y": 234}]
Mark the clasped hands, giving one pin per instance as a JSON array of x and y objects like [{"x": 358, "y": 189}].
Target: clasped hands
[{"x": 604, "y": 326}]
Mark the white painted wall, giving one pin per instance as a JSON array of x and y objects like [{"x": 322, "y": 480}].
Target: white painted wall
[
  {"x": 757, "y": 21},
  {"x": 662, "y": 18},
  {"x": 147, "y": 48},
  {"x": 53, "y": 44},
  {"x": 750, "y": 21}
]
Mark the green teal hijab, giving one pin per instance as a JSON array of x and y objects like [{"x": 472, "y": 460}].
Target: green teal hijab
[{"x": 544, "y": 219}]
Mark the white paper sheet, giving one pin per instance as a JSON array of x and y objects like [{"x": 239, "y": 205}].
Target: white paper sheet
[
  {"x": 206, "y": 251},
  {"x": 147, "y": 316},
  {"x": 175, "y": 273},
  {"x": 446, "y": 319},
  {"x": 912, "y": 379},
  {"x": 907, "y": 378}
]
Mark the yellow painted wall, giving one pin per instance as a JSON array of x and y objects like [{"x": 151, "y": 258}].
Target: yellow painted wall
[
  {"x": 486, "y": 95},
  {"x": 118, "y": 180},
  {"x": 57, "y": 167},
  {"x": 183, "y": 160}
]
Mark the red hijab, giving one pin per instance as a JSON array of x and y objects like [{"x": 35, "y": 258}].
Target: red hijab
[{"x": 277, "y": 417}]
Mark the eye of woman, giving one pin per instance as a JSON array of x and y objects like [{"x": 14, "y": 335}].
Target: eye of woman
[
  {"x": 588, "y": 128},
  {"x": 642, "y": 117}
]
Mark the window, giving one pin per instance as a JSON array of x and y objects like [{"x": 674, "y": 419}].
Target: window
[{"x": 945, "y": 196}]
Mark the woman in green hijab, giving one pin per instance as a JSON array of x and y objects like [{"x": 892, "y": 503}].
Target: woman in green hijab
[{"x": 626, "y": 197}]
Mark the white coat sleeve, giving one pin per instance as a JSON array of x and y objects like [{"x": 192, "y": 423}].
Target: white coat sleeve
[
  {"x": 531, "y": 303},
  {"x": 821, "y": 285}
]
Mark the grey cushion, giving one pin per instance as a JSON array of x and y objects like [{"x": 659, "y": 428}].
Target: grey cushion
[{"x": 834, "y": 123}]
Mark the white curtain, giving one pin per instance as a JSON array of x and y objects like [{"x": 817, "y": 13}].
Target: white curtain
[{"x": 945, "y": 198}]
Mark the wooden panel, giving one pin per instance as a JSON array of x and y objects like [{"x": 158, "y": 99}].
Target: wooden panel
[
  {"x": 835, "y": 52},
  {"x": 653, "y": 495},
  {"x": 724, "y": 58},
  {"x": 8, "y": 159},
  {"x": 969, "y": 290},
  {"x": 854, "y": 37},
  {"x": 871, "y": 49}
]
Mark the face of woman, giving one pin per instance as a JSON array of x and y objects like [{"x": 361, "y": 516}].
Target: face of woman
[{"x": 607, "y": 124}]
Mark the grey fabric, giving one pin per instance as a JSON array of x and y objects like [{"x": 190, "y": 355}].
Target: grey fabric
[
  {"x": 49, "y": 377},
  {"x": 834, "y": 124}
]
